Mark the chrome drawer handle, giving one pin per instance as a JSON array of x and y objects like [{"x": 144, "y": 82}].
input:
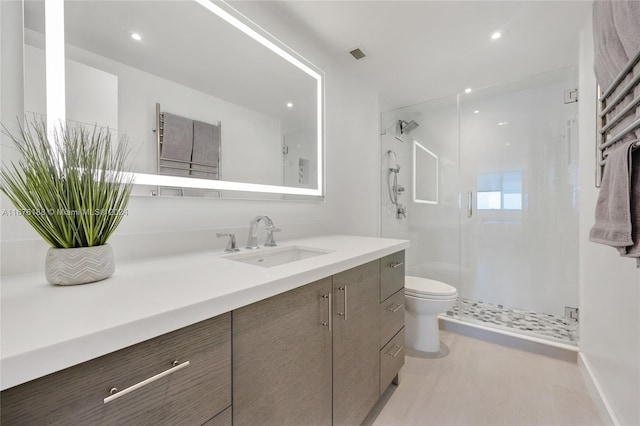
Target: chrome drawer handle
[
  {"x": 395, "y": 307},
  {"x": 329, "y": 311},
  {"x": 115, "y": 394},
  {"x": 398, "y": 349},
  {"x": 396, "y": 264},
  {"x": 344, "y": 290}
]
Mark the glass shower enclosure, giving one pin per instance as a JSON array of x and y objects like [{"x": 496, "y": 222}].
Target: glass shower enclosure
[{"x": 488, "y": 183}]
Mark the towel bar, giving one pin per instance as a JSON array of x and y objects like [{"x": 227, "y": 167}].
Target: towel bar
[
  {"x": 193, "y": 163},
  {"x": 606, "y": 123},
  {"x": 163, "y": 167},
  {"x": 615, "y": 120}
]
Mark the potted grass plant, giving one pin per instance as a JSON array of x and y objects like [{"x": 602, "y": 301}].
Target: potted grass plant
[{"x": 72, "y": 185}]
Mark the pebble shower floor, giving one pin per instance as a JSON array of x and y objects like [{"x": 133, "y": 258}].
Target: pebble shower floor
[{"x": 528, "y": 322}]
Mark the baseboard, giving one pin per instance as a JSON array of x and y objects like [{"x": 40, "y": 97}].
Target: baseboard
[
  {"x": 513, "y": 340},
  {"x": 607, "y": 415}
]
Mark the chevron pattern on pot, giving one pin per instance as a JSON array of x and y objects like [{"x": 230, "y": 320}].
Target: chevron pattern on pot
[{"x": 80, "y": 265}]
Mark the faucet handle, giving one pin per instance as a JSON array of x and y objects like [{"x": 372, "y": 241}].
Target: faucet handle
[
  {"x": 271, "y": 241},
  {"x": 231, "y": 245}
]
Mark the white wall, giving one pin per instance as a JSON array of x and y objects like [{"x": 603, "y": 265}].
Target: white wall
[
  {"x": 169, "y": 225},
  {"x": 609, "y": 284},
  {"x": 11, "y": 83},
  {"x": 92, "y": 94}
]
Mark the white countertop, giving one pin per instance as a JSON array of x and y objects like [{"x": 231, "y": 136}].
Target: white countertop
[{"x": 47, "y": 328}]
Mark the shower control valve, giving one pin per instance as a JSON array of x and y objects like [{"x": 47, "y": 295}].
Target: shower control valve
[
  {"x": 399, "y": 189},
  {"x": 401, "y": 211}
]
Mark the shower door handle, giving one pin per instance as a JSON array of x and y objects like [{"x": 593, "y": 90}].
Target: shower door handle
[{"x": 470, "y": 204}]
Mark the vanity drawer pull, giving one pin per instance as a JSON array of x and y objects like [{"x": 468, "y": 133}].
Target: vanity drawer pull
[
  {"x": 329, "y": 310},
  {"x": 343, "y": 289},
  {"x": 395, "y": 350},
  {"x": 395, "y": 264},
  {"x": 395, "y": 307},
  {"x": 115, "y": 394}
]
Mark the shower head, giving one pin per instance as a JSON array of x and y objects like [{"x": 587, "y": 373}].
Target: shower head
[{"x": 406, "y": 128}]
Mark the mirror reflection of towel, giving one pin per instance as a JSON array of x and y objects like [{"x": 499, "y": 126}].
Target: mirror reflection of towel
[
  {"x": 206, "y": 150},
  {"x": 177, "y": 144}
]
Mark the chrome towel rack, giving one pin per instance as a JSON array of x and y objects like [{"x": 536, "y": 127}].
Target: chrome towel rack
[
  {"x": 607, "y": 101},
  {"x": 159, "y": 131}
]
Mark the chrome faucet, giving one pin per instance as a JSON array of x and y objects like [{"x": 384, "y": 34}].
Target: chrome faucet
[{"x": 252, "y": 242}]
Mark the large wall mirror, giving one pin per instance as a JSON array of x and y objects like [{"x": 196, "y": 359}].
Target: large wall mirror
[{"x": 210, "y": 103}]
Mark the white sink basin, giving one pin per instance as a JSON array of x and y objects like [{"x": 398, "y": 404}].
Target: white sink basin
[{"x": 269, "y": 257}]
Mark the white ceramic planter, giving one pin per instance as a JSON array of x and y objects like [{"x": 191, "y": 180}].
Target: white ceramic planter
[{"x": 80, "y": 265}]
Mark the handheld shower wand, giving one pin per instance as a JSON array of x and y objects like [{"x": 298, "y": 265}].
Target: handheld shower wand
[
  {"x": 395, "y": 189},
  {"x": 395, "y": 169}
]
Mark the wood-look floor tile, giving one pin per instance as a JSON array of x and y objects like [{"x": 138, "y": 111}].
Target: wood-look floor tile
[{"x": 480, "y": 383}]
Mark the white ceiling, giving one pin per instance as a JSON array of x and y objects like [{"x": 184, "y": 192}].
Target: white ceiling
[{"x": 421, "y": 50}]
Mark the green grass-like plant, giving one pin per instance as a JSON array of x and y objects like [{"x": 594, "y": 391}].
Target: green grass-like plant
[{"x": 72, "y": 185}]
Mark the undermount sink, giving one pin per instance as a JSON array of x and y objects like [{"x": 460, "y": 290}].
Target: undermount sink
[{"x": 269, "y": 257}]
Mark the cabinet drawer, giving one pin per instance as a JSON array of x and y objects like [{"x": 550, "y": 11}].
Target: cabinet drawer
[
  {"x": 391, "y": 360},
  {"x": 391, "y": 316},
  {"x": 191, "y": 394},
  {"x": 391, "y": 274}
]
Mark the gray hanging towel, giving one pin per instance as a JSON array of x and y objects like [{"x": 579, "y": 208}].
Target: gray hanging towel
[
  {"x": 610, "y": 56},
  {"x": 206, "y": 150},
  {"x": 177, "y": 144},
  {"x": 634, "y": 249},
  {"x": 613, "y": 210}
]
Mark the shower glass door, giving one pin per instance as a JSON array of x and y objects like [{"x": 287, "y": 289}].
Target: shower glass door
[{"x": 519, "y": 214}]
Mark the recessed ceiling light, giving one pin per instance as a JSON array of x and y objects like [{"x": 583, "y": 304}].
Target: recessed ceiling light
[
  {"x": 496, "y": 35},
  {"x": 503, "y": 123},
  {"x": 289, "y": 104},
  {"x": 476, "y": 111},
  {"x": 136, "y": 36},
  {"x": 467, "y": 90}
]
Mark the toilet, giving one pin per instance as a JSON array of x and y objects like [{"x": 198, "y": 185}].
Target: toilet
[{"x": 424, "y": 300}]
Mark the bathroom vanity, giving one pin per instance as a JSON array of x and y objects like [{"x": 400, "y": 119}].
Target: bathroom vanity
[{"x": 207, "y": 339}]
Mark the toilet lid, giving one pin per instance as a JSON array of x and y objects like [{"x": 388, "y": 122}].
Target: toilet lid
[{"x": 417, "y": 286}]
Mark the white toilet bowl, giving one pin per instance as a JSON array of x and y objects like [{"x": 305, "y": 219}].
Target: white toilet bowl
[{"x": 424, "y": 300}]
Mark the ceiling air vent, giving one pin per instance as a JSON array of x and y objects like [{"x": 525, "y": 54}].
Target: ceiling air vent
[{"x": 357, "y": 53}]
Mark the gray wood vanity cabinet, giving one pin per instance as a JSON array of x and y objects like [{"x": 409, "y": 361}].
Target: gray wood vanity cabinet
[
  {"x": 302, "y": 355},
  {"x": 319, "y": 354},
  {"x": 190, "y": 394},
  {"x": 356, "y": 336},
  {"x": 282, "y": 358}
]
